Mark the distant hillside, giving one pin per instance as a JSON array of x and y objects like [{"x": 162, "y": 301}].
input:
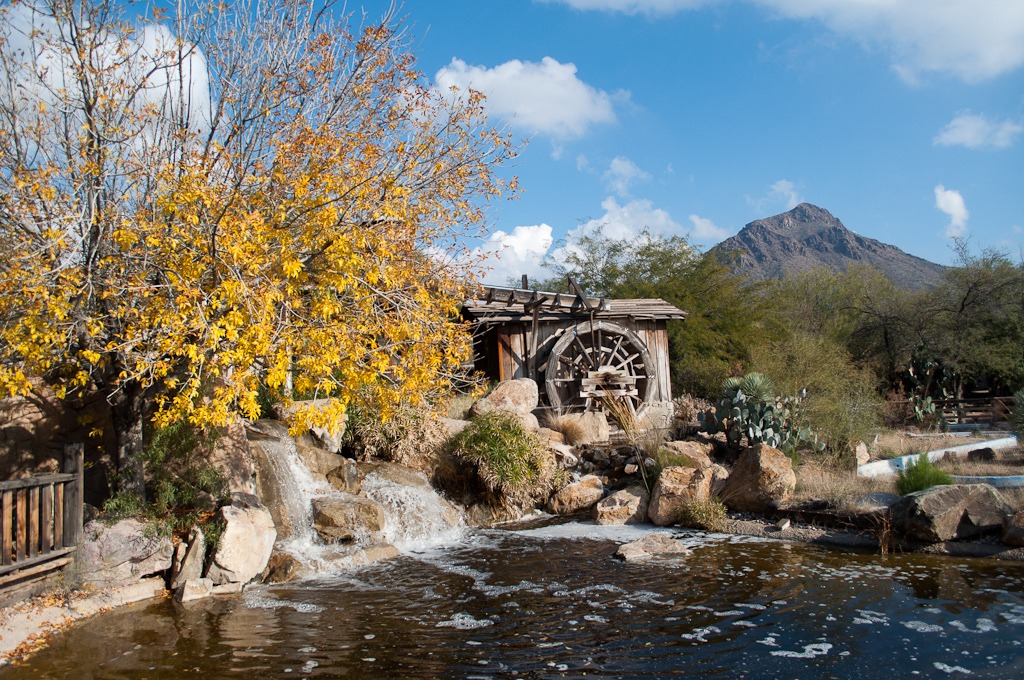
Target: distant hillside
[{"x": 808, "y": 237}]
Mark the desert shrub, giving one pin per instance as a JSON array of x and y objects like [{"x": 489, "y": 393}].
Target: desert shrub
[
  {"x": 510, "y": 460},
  {"x": 703, "y": 513},
  {"x": 409, "y": 434},
  {"x": 920, "y": 474},
  {"x": 897, "y": 410},
  {"x": 182, "y": 487},
  {"x": 1017, "y": 414},
  {"x": 842, "y": 406},
  {"x": 688, "y": 408}
]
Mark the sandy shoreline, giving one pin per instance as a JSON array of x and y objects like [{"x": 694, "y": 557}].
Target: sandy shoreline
[{"x": 27, "y": 626}]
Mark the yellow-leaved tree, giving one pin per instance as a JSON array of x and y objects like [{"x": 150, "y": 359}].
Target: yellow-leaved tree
[{"x": 225, "y": 194}]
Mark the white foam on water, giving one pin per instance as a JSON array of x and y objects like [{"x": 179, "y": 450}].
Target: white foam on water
[
  {"x": 809, "y": 652},
  {"x": 951, "y": 669},
  {"x": 1015, "y": 615},
  {"x": 922, "y": 627},
  {"x": 254, "y": 601},
  {"x": 980, "y": 626},
  {"x": 464, "y": 621},
  {"x": 701, "y": 634},
  {"x": 868, "y": 617}
]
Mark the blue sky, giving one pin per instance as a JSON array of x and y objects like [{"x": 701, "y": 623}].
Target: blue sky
[{"x": 903, "y": 118}]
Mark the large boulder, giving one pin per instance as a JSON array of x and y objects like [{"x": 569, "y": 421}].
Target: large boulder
[
  {"x": 517, "y": 396},
  {"x": 345, "y": 477},
  {"x": 346, "y": 517},
  {"x": 950, "y": 512},
  {"x": 245, "y": 546},
  {"x": 695, "y": 454},
  {"x": 122, "y": 553},
  {"x": 576, "y": 497},
  {"x": 761, "y": 479},
  {"x": 676, "y": 487},
  {"x": 320, "y": 461},
  {"x": 625, "y": 506},
  {"x": 230, "y": 455},
  {"x": 650, "y": 546}
]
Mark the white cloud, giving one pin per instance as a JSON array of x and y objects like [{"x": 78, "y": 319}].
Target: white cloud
[
  {"x": 705, "y": 230},
  {"x": 547, "y": 97},
  {"x": 978, "y": 132},
  {"x": 161, "y": 72},
  {"x": 508, "y": 256},
  {"x": 635, "y": 6},
  {"x": 973, "y": 39},
  {"x": 786, "y": 191},
  {"x": 952, "y": 203},
  {"x": 626, "y": 221},
  {"x": 621, "y": 174},
  {"x": 622, "y": 222}
]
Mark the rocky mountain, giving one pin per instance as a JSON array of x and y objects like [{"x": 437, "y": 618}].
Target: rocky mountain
[{"x": 808, "y": 237}]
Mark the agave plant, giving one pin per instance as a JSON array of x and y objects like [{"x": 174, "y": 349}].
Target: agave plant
[{"x": 748, "y": 409}]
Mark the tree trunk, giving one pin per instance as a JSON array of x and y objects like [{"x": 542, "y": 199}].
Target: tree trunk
[{"x": 127, "y": 415}]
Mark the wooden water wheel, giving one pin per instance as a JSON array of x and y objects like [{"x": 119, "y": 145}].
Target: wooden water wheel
[{"x": 594, "y": 360}]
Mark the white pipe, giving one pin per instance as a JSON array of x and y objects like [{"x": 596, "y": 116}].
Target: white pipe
[{"x": 892, "y": 466}]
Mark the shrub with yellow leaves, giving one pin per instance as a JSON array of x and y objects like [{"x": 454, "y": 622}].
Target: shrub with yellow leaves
[{"x": 239, "y": 194}]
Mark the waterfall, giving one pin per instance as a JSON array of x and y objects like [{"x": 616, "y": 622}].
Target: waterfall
[{"x": 416, "y": 517}]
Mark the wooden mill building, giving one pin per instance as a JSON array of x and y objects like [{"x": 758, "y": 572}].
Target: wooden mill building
[{"x": 579, "y": 349}]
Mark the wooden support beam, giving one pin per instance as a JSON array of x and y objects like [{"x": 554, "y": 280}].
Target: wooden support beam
[
  {"x": 74, "y": 455},
  {"x": 7, "y": 526}
]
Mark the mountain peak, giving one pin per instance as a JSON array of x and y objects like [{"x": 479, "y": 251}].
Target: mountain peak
[
  {"x": 808, "y": 237},
  {"x": 801, "y": 222}
]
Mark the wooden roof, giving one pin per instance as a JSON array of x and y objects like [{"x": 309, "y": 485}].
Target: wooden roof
[{"x": 552, "y": 306}]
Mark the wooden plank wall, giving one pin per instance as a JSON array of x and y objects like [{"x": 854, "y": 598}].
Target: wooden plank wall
[{"x": 655, "y": 336}]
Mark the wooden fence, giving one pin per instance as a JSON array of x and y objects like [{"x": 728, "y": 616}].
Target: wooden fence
[
  {"x": 41, "y": 520},
  {"x": 975, "y": 410}
]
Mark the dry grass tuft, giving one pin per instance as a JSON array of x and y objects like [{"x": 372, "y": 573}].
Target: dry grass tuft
[
  {"x": 708, "y": 514},
  {"x": 568, "y": 424},
  {"x": 837, "y": 486}
]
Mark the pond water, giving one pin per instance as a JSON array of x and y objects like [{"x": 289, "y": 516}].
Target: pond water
[{"x": 552, "y": 602}]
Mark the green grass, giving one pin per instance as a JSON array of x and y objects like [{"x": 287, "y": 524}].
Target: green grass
[
  {"x": 510, "y": 460},
  {"x": 920, "y": 474}
]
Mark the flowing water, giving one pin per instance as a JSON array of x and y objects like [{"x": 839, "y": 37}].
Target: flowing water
[{"x": 552, "y": 602}]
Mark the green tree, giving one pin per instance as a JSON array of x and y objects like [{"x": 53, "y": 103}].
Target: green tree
[{"x": 974, "y": 321}]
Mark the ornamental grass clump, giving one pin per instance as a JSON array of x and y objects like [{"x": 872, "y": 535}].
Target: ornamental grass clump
[
  {"x": 920, "y": 474},
  {"x": 509, "y": 460},
  {"x": 708, "y": 514}
]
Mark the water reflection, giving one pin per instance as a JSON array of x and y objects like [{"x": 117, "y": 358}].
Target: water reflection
[{"x": 555, "y": 604}]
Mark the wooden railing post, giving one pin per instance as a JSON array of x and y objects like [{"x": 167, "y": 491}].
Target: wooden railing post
[{"x": 74, "y": 458}]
